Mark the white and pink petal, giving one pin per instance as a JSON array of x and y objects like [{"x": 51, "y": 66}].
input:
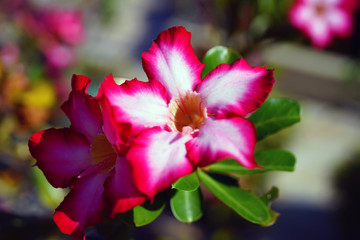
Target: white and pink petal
[
  {"x": 158, "y": 159},
  {"x": 83, "y": 206},
  {"x": 171, "y": 60},
  {"x": 301, "y": 15},
  {"x": 222, "y": 139},
  {"x": 340, "y": 21},
  {"x": 120, "y": 189},
  {"x": 82, "y": 109},
  {"x": 61, "y": 154},
  {"x": 140, "y": 104},
  {"x": 117, "y": 134},
  {"x": 236, "y": 89},
  {"x": 319, "y": 32}
]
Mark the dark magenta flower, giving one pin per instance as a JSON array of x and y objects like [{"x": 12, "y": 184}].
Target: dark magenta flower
[{"x": 85, "y": 159}]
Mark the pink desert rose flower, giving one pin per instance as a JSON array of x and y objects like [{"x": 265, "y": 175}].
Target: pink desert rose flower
[
  {"x": 61, "y": 25},
  {"x": 55, "y": 32},
  {"x": 83, "y": 158},
  {"x": 322, "y": 20},
  {"x": 67, "y": 25},
  {"x": 180, "y": 121}
]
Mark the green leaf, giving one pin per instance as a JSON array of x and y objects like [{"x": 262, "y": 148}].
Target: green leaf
[
  {"x": 270, "y": 196},
  {"x": 187, "y": 206},
  {"x": 187, "y": 183},
  {"x": 216, "y": 56},
  {"x": 146, "y": 213},
  {"x": 270, "y": 160},
  {"x": 267, "y": 198},
  {"x": 244, "y": 203},
  {"x": 274, "y": 115}
]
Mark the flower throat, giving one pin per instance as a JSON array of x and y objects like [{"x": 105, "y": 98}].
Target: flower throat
[{"x": 187, "y": 112}]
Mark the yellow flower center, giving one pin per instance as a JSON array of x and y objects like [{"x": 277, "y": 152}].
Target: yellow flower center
[
  {"x": 101, "y": 150},
  {"x": 187, "y": 112}
]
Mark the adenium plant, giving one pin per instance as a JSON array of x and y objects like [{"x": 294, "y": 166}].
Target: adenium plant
[
  {"x": 180, "y": 121},
  {"x": 168, "y": 132}
]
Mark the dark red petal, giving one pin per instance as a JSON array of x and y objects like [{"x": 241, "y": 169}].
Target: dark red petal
[
  {"x": 120, "y": 189},
  {"x": 61, "y": 154},
  {"x": 82, "y": 109},
  {"x": 83, "y": 206}
]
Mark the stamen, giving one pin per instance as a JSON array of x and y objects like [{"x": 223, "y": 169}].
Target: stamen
[{"x": 187, "y": 112}]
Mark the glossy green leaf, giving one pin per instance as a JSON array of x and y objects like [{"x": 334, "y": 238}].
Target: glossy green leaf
[
  {"x": 187, "y": 206},
  {"x": 267, "y": 198},
  {"x": 187, "y": 183},
  {"x": 270, "y": 196},
  {"x": 146, "y": 213},
  {"x": 274, "y": 115},
  {"x": 216, "y": 56},
  {"x": 270, "y": 160},
  {"x": 244, "y": 203}
]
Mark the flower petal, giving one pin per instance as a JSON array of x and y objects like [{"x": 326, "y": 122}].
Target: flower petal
[
  {"x": 120, "y": 189},
  {"x": 236, "y": 89},
  {"x": 117, "y": 134},
  {"x": 61, "y": 154},
  {"x": 340, "y": 21},
  {"x": 82, "y": 109},
  {"x": 319, "y": 32},
  {"x": 83, "y": 206},
  {"x": 158, "y": 159},
  {"x": 300, "y": 14},
  {"x": 224, "y": 138},
  {"x": 142, "y": 104},
  {"x": 171, "y": 60}
]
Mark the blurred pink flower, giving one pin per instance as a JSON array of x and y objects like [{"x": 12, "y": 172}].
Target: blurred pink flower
[
  {"x": 55, "y": 32},
  {"x": 322, "y": 20},
  {"x": 61, "y": 25},
  {"x": 67, "y": 25}
]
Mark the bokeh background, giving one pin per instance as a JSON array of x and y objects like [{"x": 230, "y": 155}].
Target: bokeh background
[{"x": 43, "y": 42}]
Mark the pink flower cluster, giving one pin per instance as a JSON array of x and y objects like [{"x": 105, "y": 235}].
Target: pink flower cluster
[
  {"x": 134, "y": 140},
  {"x": 55, "y": 31},
  {"x": 322, "y": 20}
]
